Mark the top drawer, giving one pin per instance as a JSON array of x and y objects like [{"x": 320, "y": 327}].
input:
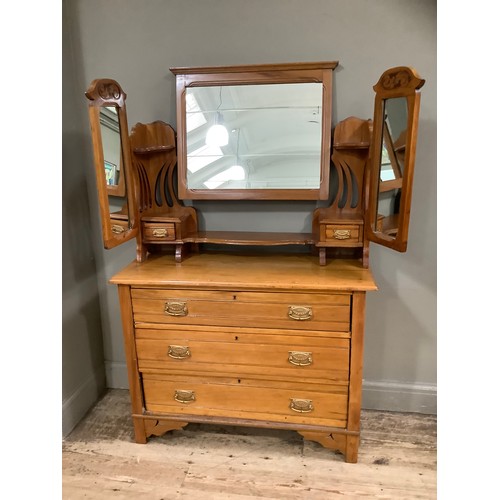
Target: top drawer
[{"x": 307, "y": 311}]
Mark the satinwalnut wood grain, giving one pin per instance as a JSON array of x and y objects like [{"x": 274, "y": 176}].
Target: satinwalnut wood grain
[
  {"x": 135, "y": 387},
  {"x": 238, "y": 353},
  {"x": 239, "y": 324},
  {"x": 101, "y": 93},
  {"x": 398, "y": 82},
  {"x": 219, "y": 271},
  {"x": 351, "y": 142},
  {"x": 255, "y": 400},
  {"x": 155, "y": 427}
]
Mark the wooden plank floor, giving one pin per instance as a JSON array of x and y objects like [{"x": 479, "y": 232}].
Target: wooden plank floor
[{"x": 397, "y": 460}]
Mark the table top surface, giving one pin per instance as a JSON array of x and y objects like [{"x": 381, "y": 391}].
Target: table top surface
[{"x": 248, "y": 272}]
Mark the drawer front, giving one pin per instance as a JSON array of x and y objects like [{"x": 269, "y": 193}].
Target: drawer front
[
  {"x": 344, "y": 234},
  {"x": 158, "y": 232},
  {"x": 245, "y": 309},
  {"x": 249, "y": 399},
  {"x": 233, "y": 353},
  {"x": 119, "y": 226}
]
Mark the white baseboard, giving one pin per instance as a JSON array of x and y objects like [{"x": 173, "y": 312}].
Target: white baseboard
[
  {"x": 83, "y": 398},
  {"x": 382, "y": 395}
]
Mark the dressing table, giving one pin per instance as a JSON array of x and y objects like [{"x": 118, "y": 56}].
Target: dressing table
[{"x": 250, "y": 336}]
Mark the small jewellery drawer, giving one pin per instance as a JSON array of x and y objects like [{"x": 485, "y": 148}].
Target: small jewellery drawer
[
  {"x": 233, "y": 353},
  {"x": 158, "y": 232},
  {"x": 245, "y": 309},
  {"x": 344, "y": 234},
  {"x": 246, "y": 398},
  {"x": 119, "y": 226}
]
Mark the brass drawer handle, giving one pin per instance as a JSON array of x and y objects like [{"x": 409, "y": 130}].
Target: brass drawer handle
[
  {"x": 160, "y": 233},
  {"x": 182, "y": 396},
  {"x": 301, "y": 405},
  {"x": 342, "y": 234},
  {"x": 176, "y": 308},
  {"x": 300, "y": 313},
  {"x": 115, "y": 228},
  {"x": 179, "y": 351},
  {"x": 299, "y": 358}
]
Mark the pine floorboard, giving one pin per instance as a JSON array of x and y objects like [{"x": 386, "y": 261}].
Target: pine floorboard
[{"x": 100, "y": 460}]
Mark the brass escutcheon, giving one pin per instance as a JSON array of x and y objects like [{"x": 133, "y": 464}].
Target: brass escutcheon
[
  {"x": 300, "y": 358},
  {"x": 300, "y": 313},
  {"x": 341, "y": 234},
  {"x": 301, "y": 405},
  {"x": 159, "y": 233},
  {"x": 117, "y": 229},
  {"x": 179, "y": 351},
  {"x": 176, "y": 308}
]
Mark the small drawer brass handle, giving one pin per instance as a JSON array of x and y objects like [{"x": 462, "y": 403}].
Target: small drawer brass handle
[
  {"x": 300, "y": 313},
  {"x": 160, "y": 233},
  {"x": 342, "y": 234},
  {"x": 176, "y": 308},
  {"x": 115, "y": 228},
  {"x": 179, "y": 351},
  {"x": 301, "y": 405},
  {"x": 300, "y": 358},
  {"x": 183, "y": 396}
]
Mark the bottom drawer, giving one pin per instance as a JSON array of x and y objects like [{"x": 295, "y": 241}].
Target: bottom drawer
[{"x": 247, "y": 399}]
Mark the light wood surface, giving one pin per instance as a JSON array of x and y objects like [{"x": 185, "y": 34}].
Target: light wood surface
[
  {"x": 273, "y": 341},
  {"x": 100, "y": 461},
  {"x": 247, "y": 272}
]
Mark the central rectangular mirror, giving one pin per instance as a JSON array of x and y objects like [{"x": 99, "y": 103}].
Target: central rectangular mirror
[{"x": 254, "y": 132}]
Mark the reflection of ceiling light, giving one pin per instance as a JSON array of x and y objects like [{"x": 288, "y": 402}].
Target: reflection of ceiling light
[{"x": 217, "y": 134}]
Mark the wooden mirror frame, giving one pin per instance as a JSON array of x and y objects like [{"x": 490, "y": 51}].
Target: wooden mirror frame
[
  {"x": 396, "y": 82},
  {"x": 317, "y": 72},
  {"x": 101, "y": 93}
]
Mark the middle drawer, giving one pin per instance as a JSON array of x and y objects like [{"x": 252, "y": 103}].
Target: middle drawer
[
  {"x": 302, "y": 311},
  {"x": 235, "y": 353}
]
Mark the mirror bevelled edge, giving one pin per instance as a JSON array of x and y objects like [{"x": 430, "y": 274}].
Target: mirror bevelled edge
[
  {"x": 105, "y": 92},
  {"x": 397, "y": 82}
]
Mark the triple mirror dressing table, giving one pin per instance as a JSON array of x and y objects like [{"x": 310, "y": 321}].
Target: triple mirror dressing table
[{"x": 252, "y": 337}]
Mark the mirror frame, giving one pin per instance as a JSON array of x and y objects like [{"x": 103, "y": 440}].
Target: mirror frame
[
  {"x": 105, "y": 92},
  {"x": 396, "y": 82},
  {"x": 317, "y": 72}
]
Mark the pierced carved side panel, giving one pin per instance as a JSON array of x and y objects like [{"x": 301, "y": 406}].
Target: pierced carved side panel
[
  {"x": 154, "y": 159},
  {"x": 351, "y": 142}
]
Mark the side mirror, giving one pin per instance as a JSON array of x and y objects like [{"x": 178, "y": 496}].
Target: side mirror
[
  {"x": 112, "y": 162},
  {"x": 392, "y": 157}
]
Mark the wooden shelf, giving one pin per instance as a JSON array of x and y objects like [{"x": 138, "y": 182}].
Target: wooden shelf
[{"x": 249, "y": 238}]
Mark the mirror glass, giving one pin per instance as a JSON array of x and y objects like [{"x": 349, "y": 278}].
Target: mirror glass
[
  {"x": 264, "y": 136},
  {"x": 110, "y": 132},
  {"x": 392, "y": 164},
  {"x": 112, "y": 154}
]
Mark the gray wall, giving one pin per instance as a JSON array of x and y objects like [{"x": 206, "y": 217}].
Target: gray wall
[
  {"x": 83, "y": 375},
  {"x": 136, "y": 43}
]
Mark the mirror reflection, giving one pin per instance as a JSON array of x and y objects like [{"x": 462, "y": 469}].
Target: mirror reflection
[
  {"x": 110, "y": 133},
  {"x": 111, "y": 145},
  {"x": 254, "y": 136},
  {"x": 392, "y": 164}
]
